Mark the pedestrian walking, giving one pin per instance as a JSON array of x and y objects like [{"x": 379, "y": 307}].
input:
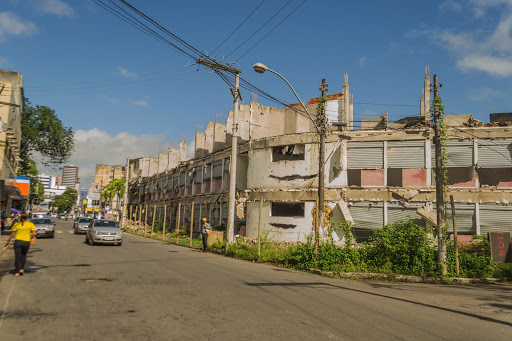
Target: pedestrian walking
[
  {"x": 24, "y": 234},
  {"x": 206, "y": 229}
]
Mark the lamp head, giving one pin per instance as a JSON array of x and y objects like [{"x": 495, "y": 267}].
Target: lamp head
[{"x": 260, "y": 67}]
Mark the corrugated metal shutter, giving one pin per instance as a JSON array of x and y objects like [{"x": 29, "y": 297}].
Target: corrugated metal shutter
[
  {"x": 495, "y": 218},
  {"x": 466, "y": 218},
  {"x": 217, "y": 169},
  {"x": 495, "y": 153},
  {"x": 460, "y": 153},
  {"x": 366, "y": 219},
  {"x": 198, "y": 175},
  {"x": 406, "y": 154},
  {"x": 207, "y": 172},
  {"x": 397, "y": 212},
  {"x": 366, "y": 155}
]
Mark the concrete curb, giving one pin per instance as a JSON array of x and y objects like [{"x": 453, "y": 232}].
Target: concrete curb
[{"x": 410, "y": 279}]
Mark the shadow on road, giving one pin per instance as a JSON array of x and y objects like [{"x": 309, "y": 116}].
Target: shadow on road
[{"x": 311, "y": 284}]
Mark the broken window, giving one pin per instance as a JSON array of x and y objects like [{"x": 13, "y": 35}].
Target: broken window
[
  {"x": 292, "y": 152},
  {"x": 283, "y": 209}
]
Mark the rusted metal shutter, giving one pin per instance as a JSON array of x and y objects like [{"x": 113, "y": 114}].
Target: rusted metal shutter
[
  {"x": 397, "y": 212},
  {"x": 366, "y": 155},
  {"x": 366, "y": 219},
  {"x": 406, "y": 154},
  {"x": 466, "y": 218},
  {"x": 495, "y": 218},
  {"x": 495, "y": 153}
]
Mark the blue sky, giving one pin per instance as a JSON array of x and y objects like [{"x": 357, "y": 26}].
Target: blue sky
[{"x": 133, "y": 96}]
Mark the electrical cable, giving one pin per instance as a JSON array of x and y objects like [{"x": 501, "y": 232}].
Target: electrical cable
[
  {"x": 259, "y": 29},
  {"x": 236, "y": 29},
  {"x": 272, "y": 30},
  {"x": 108, "y": 79}
]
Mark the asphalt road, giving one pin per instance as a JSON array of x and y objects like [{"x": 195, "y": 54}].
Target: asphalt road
[{"x": 148, "y": 290}]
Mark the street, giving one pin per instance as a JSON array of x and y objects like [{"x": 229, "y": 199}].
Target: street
[{"x": 148, "y": 290}]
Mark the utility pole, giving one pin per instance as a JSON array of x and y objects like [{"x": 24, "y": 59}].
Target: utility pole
[
  {"x": 322, "y": 126},
  {"x": 440, "y": 186},
  {"x": 234, "y": 144}
]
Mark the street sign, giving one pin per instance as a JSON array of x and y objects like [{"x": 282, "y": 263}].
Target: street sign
[
  {"x": 500, "y": 247},
  {"x": 84, "y": 202}
]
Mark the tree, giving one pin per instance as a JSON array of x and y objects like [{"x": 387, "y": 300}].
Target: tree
[
  {"x": 43, "y": 132},
  {"x": 65, "y": 201},
  {"x": 114, "y": 189}
]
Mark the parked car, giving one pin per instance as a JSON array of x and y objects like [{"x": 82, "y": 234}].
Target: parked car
[
  {"x": 81, "y": 224},
  {"x": 104, "y": 232},
  {"x": 53, "y": 215},
  {"x": 62, "y": 216},
  {"x": 44, "y": 227}
]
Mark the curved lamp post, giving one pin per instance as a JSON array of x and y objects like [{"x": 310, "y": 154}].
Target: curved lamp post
[{"x": 261, "y": 68}]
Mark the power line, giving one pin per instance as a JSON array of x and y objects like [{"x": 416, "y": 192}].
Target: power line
[
  {"x": 259, "y": 29},
  {"x": 108, "y": 79},
  {"x": 236, "y": 29},
  {"x": 272, "y": 30},
  {"x": 105, "y": 90}
]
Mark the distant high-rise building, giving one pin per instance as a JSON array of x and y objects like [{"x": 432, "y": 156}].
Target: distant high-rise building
[
  {"x": 105, "y": 173},
  {"x": 49, "y": 181},
  {"x": 70, "y": 176}
]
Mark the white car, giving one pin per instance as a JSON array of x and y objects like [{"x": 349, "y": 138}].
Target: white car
[{"x": 104, "y": 232}]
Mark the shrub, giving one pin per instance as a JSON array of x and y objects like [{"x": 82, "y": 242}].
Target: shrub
[{"x": 402, "y": 247}]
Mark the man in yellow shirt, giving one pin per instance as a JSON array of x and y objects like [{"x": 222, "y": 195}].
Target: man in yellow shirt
[{"x": 22, "y": 232}]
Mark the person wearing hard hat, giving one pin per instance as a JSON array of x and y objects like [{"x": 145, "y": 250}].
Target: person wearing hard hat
[{"x": 206, "y": 229}]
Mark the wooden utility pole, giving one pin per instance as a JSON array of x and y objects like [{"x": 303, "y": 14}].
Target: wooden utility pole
[
  {"x": 140, "y": 219},
  {"x": 455, "y": 235},
  {"x": 322, "y": 126},
  {"x": 440, "y": 185},
  {"x": 153, "y": 223},
  {"x": 191, "y": 223},
  {"x": 163, "y": 226},
  {"x": 145, "y": 219},
  {"x": 178, "y": 223},
  {"x": 259, "y": 229}
]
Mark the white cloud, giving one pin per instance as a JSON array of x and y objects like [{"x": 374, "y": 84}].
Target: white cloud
[
  {"x": 492, "y": 53},
  {"x": 3, "y": 62},
  {"x": 485, "y": 94},
  {"x": 450, "y": 6},
  {"x": 496, "y": 66},
  {"x": 96, "y": 146},
  {"x": 12, "y": 25},
  {"x": 362, "y": 61},
  {"x": 125, "y": 73},
  {"x": 141, "y": 103},
  {"x": 55, "y": 7}
]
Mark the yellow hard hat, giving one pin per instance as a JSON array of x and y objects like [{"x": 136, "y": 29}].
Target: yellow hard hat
[{"x": 204, "y": 219}]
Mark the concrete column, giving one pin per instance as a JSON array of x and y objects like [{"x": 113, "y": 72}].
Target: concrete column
[
  {"x": 183, "y": 151},
  {"x": 209, "y": 138},
  {"x": 428, "y": 162},
  {"x": 475, "y": 160},
  {"x": 385, "y": 150},
  {"x": 426, "y": 96}
]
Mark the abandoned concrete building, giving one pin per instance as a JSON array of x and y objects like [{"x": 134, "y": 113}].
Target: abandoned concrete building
[{"x": 377, "y": 174}]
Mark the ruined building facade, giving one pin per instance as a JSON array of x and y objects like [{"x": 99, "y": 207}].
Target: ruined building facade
[{"x": 376, "y": 175}]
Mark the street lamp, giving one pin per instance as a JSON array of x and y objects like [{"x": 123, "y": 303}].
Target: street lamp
[{"x": 321, "y": 127}]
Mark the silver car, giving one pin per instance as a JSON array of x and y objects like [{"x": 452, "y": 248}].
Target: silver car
[
  {"x": 44, "y": 227},
  {"x": 104, "y": 232},
  {"x": 81, "y": 224}
]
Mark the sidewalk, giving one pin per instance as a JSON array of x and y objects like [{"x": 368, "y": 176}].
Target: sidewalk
[{"x": 409, "y": 279}]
